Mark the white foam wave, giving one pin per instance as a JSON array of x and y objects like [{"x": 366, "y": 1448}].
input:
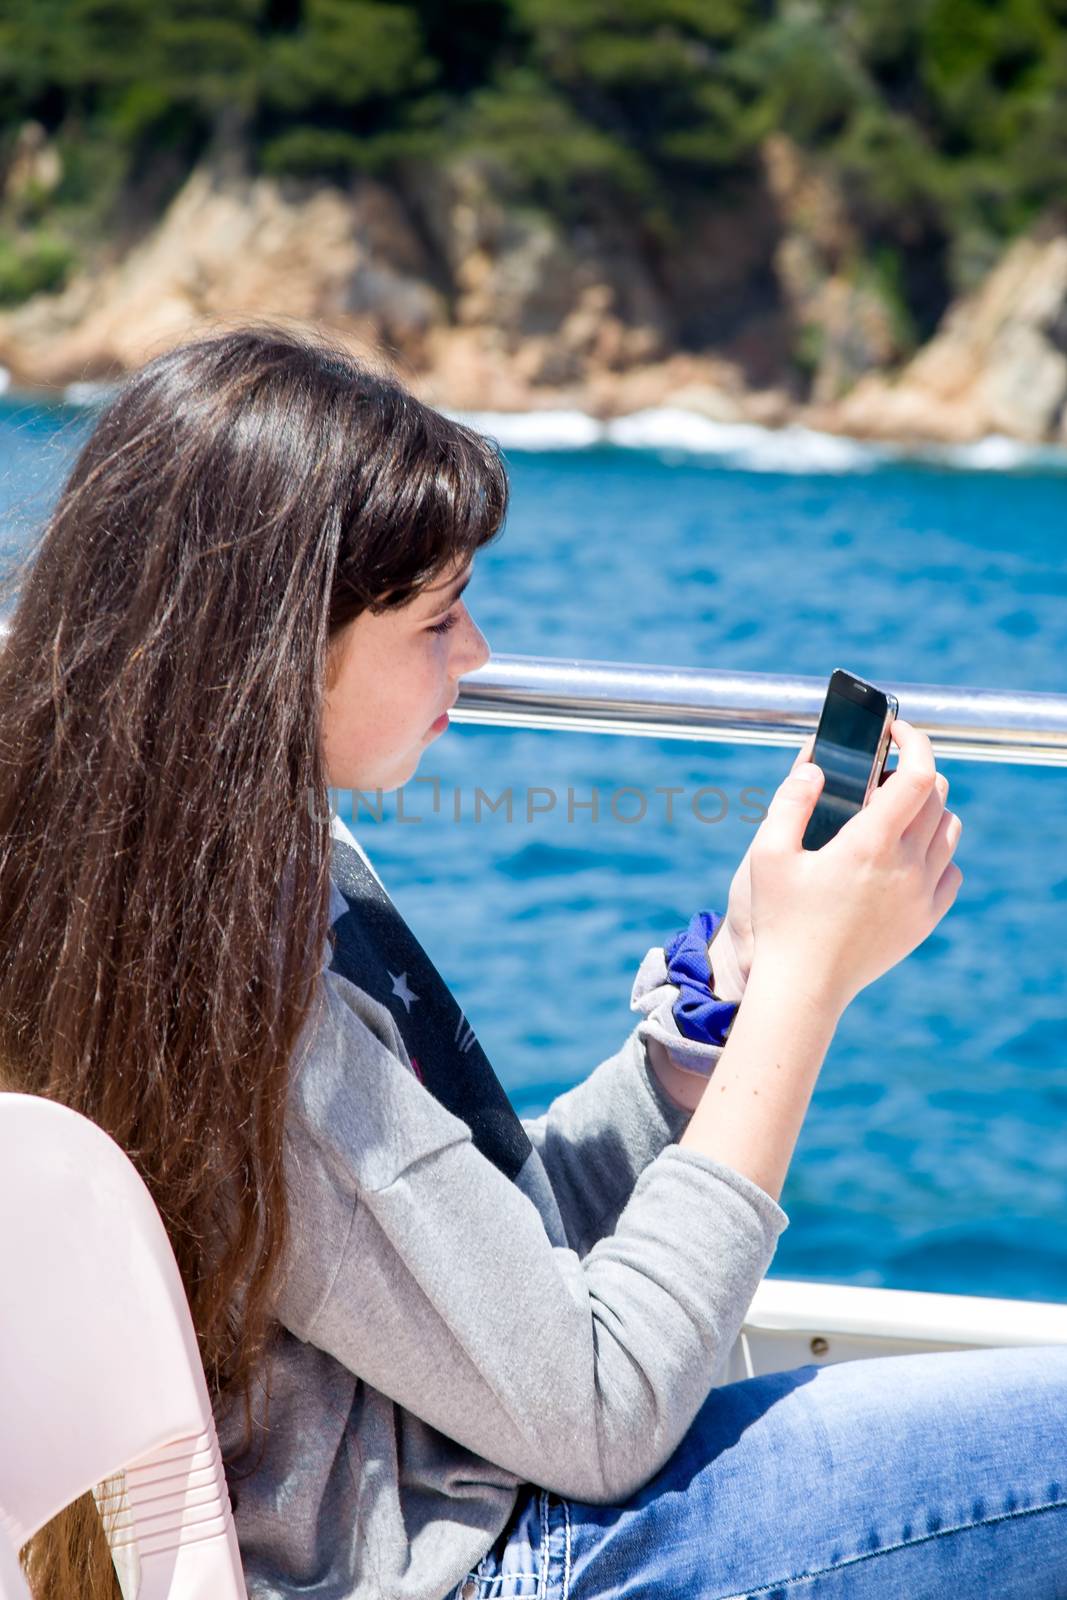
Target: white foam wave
[
  {"x": 674, "y": 431},
  {"x": 999, "y": 453},
  {"x": 535, "y": 430},
  {"x": 671, "y": 430},
  {"x": 5, "y": 380},
  {"x": 742, "y": 444}
]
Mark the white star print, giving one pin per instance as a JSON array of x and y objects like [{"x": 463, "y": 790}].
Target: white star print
[
  {"x": 464, "y": 1034},
  {"x": 401, "y": 990}
]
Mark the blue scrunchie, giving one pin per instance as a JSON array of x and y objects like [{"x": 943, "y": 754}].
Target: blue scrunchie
[{"x": 698, "y": 1013}]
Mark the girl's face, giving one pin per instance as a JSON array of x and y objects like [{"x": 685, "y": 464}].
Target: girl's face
[{"x": 393, "y": 676}]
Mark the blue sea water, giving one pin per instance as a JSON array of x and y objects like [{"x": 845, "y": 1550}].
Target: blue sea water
[{"x": 934, "y": 1154}]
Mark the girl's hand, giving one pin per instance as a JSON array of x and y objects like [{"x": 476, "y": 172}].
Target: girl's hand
[
  {"x": 842, "y": 915},
  {"x": 730, "y": 952}
]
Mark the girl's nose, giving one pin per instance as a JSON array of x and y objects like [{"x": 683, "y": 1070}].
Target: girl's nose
[{"x": 476, "y": 652}]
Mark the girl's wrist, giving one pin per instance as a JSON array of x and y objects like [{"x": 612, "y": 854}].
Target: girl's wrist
[
  {"x": 729, "y": 978},
  {"x": 681, "y": 1087},
  {"x": 800, "y": 982}
]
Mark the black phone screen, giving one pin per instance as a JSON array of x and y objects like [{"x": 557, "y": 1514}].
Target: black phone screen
[{"x": 846, "y": 744}]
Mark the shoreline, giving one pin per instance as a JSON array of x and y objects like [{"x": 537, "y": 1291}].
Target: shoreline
[{"x": 675, "y": 432}]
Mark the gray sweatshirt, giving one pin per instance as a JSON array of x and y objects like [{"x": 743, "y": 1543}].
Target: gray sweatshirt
[{"x": 455, "y": 1322}]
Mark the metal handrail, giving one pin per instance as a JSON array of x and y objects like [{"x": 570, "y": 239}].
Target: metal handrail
[
  {"x": 514, "y": 691},
  {"x": 517, "y": 691}
]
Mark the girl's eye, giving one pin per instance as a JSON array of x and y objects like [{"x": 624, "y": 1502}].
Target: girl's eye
[{"x": 445, "y": 623}]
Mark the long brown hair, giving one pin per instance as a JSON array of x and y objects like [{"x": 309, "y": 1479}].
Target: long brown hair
[{"x": 241, "y": 499}]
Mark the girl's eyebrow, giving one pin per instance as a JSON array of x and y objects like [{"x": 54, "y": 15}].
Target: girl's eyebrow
[{"x": 457, "y": 590}]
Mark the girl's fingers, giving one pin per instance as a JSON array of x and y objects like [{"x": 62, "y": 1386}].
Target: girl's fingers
[
  {"x": 943, "y": 844},
  {"x": 948, "y": 887},
  {"x": 919, "y": 834},
  {"x": 804, "y": 753},
  {"x": 895, "y": 804}
]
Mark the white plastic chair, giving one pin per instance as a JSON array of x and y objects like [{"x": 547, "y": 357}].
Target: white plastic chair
[
  {"x": 12, "y": 1583},
  {"x": 101, "y": 1384}
]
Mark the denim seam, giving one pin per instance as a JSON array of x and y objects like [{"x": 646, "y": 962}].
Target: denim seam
[
  {"x": 542, "y": 1582},
  {"x": 566, "y": 1550},
  {"x": 903, "y": 1544}
]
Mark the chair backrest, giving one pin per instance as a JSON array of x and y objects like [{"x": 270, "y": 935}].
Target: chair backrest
[
  {"x": 102, "y": 1382},
  {"x": 12, "y": 1583}
]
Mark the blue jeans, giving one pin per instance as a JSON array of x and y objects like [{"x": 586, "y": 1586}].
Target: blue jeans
[{"x": 920, "y": 1477}]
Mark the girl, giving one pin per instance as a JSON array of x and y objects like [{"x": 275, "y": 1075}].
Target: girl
[{"x": 453, "y": 1354}]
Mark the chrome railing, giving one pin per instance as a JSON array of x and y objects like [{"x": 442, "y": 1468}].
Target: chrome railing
[{"x": 515, "y": 691}]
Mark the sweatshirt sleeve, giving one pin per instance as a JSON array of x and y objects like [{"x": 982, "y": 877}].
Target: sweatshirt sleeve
[
  {"x": 598, "y": 1137},
  {"x": 429, "y": 1275}
]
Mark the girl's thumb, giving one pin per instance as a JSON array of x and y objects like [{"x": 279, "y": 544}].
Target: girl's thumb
[{"x": 793, "y": 803}]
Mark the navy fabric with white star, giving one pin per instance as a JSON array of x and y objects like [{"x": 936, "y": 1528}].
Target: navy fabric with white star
[{"x": 376, "y": 950}]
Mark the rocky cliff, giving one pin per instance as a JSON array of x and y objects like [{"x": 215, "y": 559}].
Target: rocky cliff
[
  {"x": 998, "y": 364},
  {"x": 481, "y": 303}
]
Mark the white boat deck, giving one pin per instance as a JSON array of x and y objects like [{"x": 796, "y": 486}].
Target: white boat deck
[{"x": 792, "y": 1322}]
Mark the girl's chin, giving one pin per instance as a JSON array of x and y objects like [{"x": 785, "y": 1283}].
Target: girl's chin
[
  {"x": 402, "y": 773},
  {"x": 385, "y": 778}
]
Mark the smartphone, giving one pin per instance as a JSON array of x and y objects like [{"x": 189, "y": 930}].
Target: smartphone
[{"x": 851, "y": 746}]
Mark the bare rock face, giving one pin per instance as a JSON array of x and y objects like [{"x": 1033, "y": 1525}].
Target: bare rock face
[
  {"x": 34, "y": 167},
  {"x": 482, "y": 303},
  {"x": 592, "y": 316},
  {"x": 478, "y": 303},
  {"x": 998, "y": 364},
  {"x": 558, "y": 305},
  {"x": 843, "y": 324},
  {"x": 235, "y": 249}
]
